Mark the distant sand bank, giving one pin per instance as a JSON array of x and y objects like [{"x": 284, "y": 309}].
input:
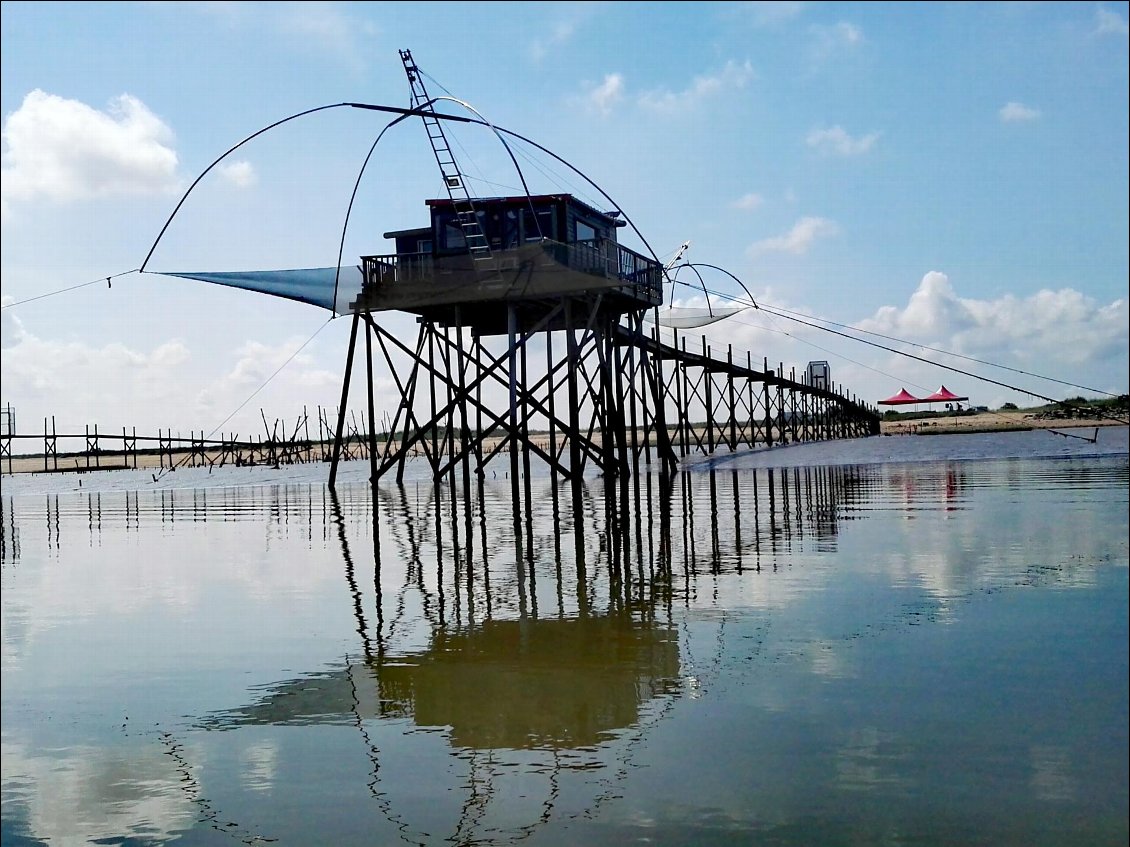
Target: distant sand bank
[{"x": 985, "y": 422}]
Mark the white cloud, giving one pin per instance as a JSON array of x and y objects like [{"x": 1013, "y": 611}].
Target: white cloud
[
  {"x": 240, "y": 174},
  {"x": 91, "y": 795},
  {"x": 116, "y": 385},
  {"x": 748, "y": 202},
  {"x": 828, "y": 42},
  {"x": 606, "y": 95},
  {"x": 324, "y": 27},
  {"x": 1053, "y": 333},
  {"x": 256, "y": 362},
  {"x": 74, "y": 377},
  {"x": 559, "y": 34},
  {"x": 797, "y": 240},
  {"x": 275, "y": 369},
  {"x": 1017, "y": 113},
  {"x": 835, "y": 141},
  {"x": 842, "y": 33},
  {"x": 733, "y": 76},
  {"x": 1110, "y": 23},
  {"x": 63, "y": 150},
  {"x": 770, "y": 12},
  {"x": 11, "y": 328}
]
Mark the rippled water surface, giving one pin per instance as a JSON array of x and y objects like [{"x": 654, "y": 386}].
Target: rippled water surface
[{"x": 887, "y": 651}]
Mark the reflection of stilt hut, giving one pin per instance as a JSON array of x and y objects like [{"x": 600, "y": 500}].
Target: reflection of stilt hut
[
  {"x": 536, "y": 683},
  {"x": 516, "y": 684}
]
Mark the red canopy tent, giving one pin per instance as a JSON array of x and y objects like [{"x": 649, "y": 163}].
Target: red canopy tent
[
  {"x": 903, "y": 398},
  {"x": 943, "y": 395}
]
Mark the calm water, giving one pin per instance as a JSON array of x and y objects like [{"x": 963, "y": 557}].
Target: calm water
[{"x": 791, "y": 648}]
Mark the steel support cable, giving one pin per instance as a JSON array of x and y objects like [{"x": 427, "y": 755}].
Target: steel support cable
[
  {"x": 792, "y": 317},
  {"x": 196, "y": 181},
  {"x": 509, "y": 152},
  {"x": 675, "y": 278},
  {"x": 856, "y": 362},
  {"x": 498, "y": 130},
  {"x": 695, "y": 266},
  {"x": 267, "y": 381},
  {"x": 1016, "y": 388},
  {"x": 105, "y": 279},
  {"x": 366, "y": 106},
  {"x": 785, "y": 313},
  {"x": 447, "y": 95},
  {"x": 352, "y": 198},
  {"x": 948, "y": 353}
]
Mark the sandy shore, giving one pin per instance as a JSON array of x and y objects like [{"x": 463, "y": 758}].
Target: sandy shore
[
  {"x": 986, "y": 422},
  {"x": 948, "y": 424}
]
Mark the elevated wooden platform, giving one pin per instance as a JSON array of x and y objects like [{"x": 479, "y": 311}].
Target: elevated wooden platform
[{"x": 477, "y": 293}]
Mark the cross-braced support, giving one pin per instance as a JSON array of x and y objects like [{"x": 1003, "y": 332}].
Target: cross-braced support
[{"x": 466, "y": 399}]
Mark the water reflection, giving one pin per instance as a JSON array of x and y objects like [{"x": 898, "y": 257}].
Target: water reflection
[
  {"x": 495, "y": 681},
  {"x": 733, "y": 653}
]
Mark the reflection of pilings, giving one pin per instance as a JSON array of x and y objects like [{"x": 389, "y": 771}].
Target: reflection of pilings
[
  {"x": 351, "y": 579},
  {"x": 10, "y": 531},
  {"x": 733, "y": 523},
  {"x": 760, "y": 513}
]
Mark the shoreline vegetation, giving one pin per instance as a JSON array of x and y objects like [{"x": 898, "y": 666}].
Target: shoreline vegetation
[{"x": 963, "y": 422}]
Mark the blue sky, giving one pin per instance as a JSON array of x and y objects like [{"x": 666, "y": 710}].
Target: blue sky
[{"x": 952, "y": 174}]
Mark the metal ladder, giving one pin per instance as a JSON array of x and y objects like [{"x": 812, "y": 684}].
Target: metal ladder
[{"x": 465, "y": 214}]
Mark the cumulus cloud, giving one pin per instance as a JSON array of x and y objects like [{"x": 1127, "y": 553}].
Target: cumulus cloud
[
  {"x": 797, "y": 240},
  {"x": 324, "y": 27},
  {"x": 839, "y": 34},
  {"x": 748, "y": 202},
  {"x": 271, "y": 373},
  {"x": 74, "y": 377},
  {"x": 64, "y": 150},
  {"x": 240, "y": 174},
  {"x": 11, "y": 328},
  {"x": 1017, "y": 113},
  {"x": 829, "y": 42},
  {"x": 733, "y": 76},
  {"x": 256, "y": 362},
  {"x": 605, "y": 96},
  {"x": 117, "y": 384},
  {"x": 1110, "y": 23},
  {"x": 559, "y": 34},
  {"x": 770, "y": 12},
  {"x": 1054, "y": 333},
  {"x": 836, "y": 142}
]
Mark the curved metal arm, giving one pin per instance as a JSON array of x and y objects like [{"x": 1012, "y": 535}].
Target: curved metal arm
[
  {"x": 730, "y": 275},
  {"x": 705, "y": 293},
  {"x": 196, "y": 182},
  {"x": 498, "y": 135},
  {"x": 352, "y": 197},
  {"x": 498, "y": 130}
]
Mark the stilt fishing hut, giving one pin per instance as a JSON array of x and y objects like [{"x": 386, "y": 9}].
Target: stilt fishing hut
[
  {"x": 530, "y": 339},
  {"x": 512, "y": 268}
]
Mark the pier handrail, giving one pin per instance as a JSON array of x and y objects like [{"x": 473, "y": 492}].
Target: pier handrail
[{"x": 602, "y": 258}]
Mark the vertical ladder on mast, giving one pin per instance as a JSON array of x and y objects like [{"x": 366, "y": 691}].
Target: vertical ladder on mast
[{"x": 453, "y": 180}]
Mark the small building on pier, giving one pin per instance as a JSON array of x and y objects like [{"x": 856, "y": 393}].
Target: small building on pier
[{"x": 504, "y": 251}]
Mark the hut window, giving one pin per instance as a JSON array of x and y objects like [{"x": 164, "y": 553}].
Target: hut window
[
  {"x": 538, "y": 227},
  {"x": 453, "y": 233},
  {"x": 585, "y": 232}
]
